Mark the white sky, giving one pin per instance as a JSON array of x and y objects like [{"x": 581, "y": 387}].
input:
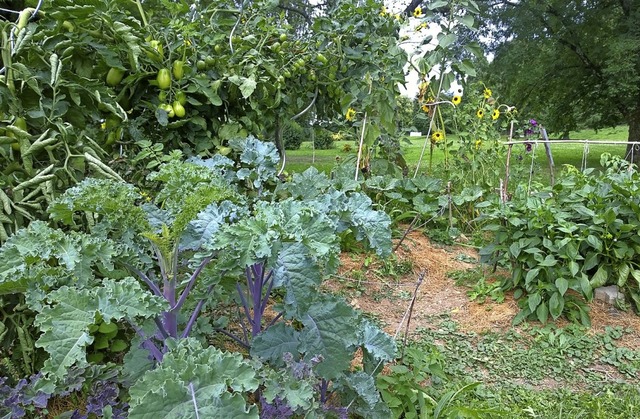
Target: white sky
[{"x": 414, "y": 48}]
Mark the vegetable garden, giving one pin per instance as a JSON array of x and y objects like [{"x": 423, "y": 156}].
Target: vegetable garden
[{"x": 159, "y": 257}]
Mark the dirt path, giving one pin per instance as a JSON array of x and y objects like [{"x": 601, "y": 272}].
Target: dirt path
[{"x": 384, "y": 290}]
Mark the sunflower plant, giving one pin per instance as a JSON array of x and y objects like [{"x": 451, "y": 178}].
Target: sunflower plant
[{"x": 480, "y": 122}]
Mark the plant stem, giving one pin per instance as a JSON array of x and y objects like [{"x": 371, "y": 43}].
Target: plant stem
[
  {"x": 194, "y": 315},
  {"x": 142, "y": 15}
]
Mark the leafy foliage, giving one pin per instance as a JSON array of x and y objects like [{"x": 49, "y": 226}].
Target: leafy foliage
[
  {"x": 555, "y": 37},
  {"x": 577, "y": 235},
  {"x": 195, "y": 379},
  {"x": 102, "y": 100},
  {"x": 275, "y": 238}
]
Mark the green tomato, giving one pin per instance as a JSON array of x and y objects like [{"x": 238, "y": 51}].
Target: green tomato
[
  {"x": 157, "y": 52},
  {"x": 111, "y": 138},
  {"x": 112, "y": 122},
  {"x": 210, "y": 61},
  {"x": 181, "y": 97},
  {"x": 178, "y": 70},
  {"x": 283, "y": 37},
  {"x": 178, "y": 109},
  {"x": 20, "y": 123},
  {"x": 114, "y": 76},
  {"x": 322, "y": 58},
  {"x": 164, "y": 79},
  {"x": 201, "y": 65},
  {"x": 168, "y": 109},
  {"x": 217, "y": 49}
]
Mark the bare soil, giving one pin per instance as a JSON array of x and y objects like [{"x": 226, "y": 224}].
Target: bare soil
[{"x": 387, "y": 297}]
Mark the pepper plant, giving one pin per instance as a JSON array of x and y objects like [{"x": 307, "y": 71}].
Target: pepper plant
[{"x": 564, "y": 241}]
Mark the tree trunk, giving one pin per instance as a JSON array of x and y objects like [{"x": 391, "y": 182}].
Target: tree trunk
[{"x": 633, "y": 150}]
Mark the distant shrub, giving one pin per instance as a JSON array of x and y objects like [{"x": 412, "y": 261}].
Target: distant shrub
[
  {"x": 293, "y": 134},
  {"x": 324, "y": 139}
]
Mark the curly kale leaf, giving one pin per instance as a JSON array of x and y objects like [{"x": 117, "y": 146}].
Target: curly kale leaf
[
  {"x": 194, "y": 379},
  {"x": 354, "y": 212},
  {"x": 114, "y": 202},
  {"x": 70, "y": 311},
  {"x": 259, "y": 160},
  {"x": 40, "y": 256},
  {"x": 307, "y": 185},
  {"x": 203, "y": 229}
]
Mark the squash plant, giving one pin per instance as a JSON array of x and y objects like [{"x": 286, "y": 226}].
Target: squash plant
[
  {"x": 578, "y": 235},
  {"x": 154, "y": 264}
]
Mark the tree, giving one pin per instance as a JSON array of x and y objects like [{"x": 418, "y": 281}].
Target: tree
[{"x": 568, "y": 63}]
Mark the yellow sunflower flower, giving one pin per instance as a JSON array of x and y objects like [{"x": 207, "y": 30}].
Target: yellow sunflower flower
[
  {"x": 417, "y": 12},
  {"x": 496, "y": 114},
  {"x": 456, "y": 100},
  {"x": 480, "y": 113},
  {"x": 437, "y": 136},
  {"x": 425, "y": 108},
  {"x": 478, "y": 144},
  {"x": 383, "y": 11},
  {"x": 351, "y": 114},
  {"x": 487, "y": 93},
  {"x": 421, "y": 26}
]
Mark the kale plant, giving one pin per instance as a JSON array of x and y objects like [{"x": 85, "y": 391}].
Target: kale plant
[{"x": 213, "y": 228}]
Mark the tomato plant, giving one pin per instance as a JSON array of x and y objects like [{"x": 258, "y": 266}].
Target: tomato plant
[{"x": 232, "y": 72}]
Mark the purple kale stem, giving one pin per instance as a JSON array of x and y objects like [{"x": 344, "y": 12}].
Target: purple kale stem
[
  {"x": 269, "y": 280},
  {"x": 194, "y": 315},
  {"x": 155, "y": 352},
  {"x": 324, "y": 385},
  {"x": 235, "y": 338},
  {"x": 171, "y": 316},
  {"x": 275, "y": 319},
  {"x": 256, "y": 293},
  {"x": 170, "y": 321},
  {"x": 161, "y": 329},
  {"x": 149, "y": 282},
  {"x": 258, "y": 269},
  {"x": 148, "y": 343},
  {"x": 190, "y": 285},
  {"x": 245, "y": 305}
]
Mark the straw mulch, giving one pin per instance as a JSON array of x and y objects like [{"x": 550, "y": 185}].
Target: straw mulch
[{"x": 389, "y": 298}]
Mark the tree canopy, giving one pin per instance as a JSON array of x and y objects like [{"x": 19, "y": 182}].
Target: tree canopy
[{"x": 568, "y": 63}]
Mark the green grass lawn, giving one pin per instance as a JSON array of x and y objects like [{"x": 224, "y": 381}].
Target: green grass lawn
[{"x": 299, "y": 160}]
